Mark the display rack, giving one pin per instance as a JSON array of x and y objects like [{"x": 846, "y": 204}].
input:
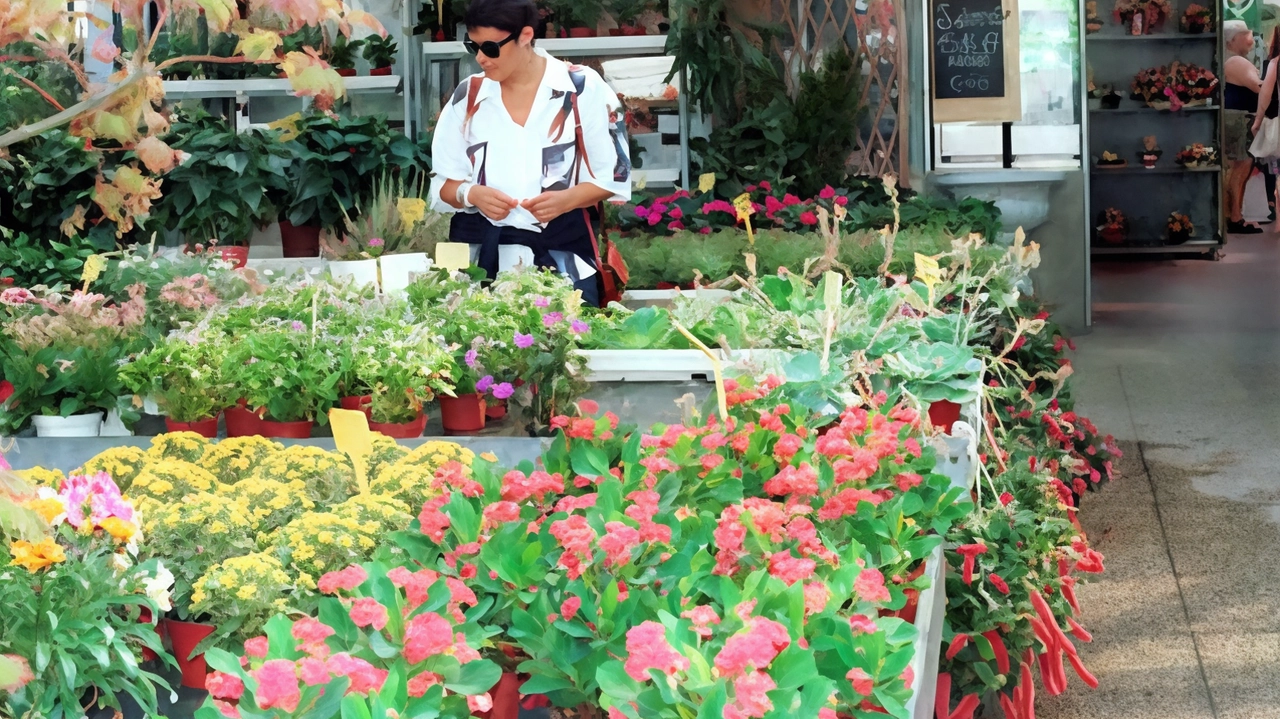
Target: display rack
[
  {"x": 269, "y": 87},
  {"x": 442, "y": 65},
  {"x": 1148, "y": 196}
]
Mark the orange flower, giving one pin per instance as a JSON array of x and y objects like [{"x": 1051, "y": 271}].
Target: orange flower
[
  {"x": 34, "y": 557},
  {"x": 49, "y": 509},
  {"x": 119, "y": 529}
]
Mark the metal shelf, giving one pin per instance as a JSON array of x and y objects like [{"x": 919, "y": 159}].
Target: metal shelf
[
  {"x": 1099, "y": 170},
  {"x": 625, "y": 45},
  {"x": 1190, "y": 247},
  {"x": 269, "y": 87},
  {"x": 1122, "y": 110},
  {"x": 1156, "y": 37}
]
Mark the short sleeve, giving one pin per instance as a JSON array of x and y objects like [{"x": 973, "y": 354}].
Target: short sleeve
[
  {"x": 604, "y": 135},
  {"x": 448, "y": 148}
]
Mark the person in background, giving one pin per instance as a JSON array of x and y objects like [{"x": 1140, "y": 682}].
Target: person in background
[
  {"x": 1240, "y": 100},
  {"x": 526, "y": 150}
]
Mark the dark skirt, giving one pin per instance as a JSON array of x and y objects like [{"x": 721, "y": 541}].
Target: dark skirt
[{"x": 567, "y": 233}]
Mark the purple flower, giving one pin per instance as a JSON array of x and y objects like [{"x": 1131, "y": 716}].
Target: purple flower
[
  {"x": 524, "y": 341},
  {"x": 375, "y": 242},
  {"x": 503, "y": 391},
  {"x": 470, "y": 358},
  {"x": 484, "y": 383},
  {"x": 551, "y": 318},
  {"x": 298, "y": 326},
  {"x": 579, "y": 327},
  {"x": 541, "y": 301}
]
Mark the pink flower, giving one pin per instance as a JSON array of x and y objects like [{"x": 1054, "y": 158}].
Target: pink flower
[
  {"x": 420, "y": 683},
  {"x": 675, "y": 226},
  {"x": 569, "y": 607},
  {"x": 426, "y": 635},
  {"x": 314, "y": 672},
  {"x": 368, "y": 612},
  {"x": 224, "y": 686},
  {"x": 751, "y": 693},
  {"x": 676, "y": 213},
  {"x": 816, "y": 596},
  {"x": 702, "y": 616},
  {"x": 551, "y": 319},
  {"x": 797, "y": 482},
  {"x": 310, "y": 631},
  {"x": 501, "y": 513},
  {"x": 766, "y": 186},
  {"x": 789, "y": 568},
  {"x": 862, "y": 624},
  {"x": 863, "y": 684},
  {"x": 575, "y": 535},
  {"x": 642, "y": 211},
  {"x": 229, "y": 710},
  {"x": 846, "y": 503},
  {"x": 256, "y": 647},
  {"x": 789, "y": 199},
  {"x": 756, "y": 648},
  {"x": 364, "y": 676},
  {"x": 523, "y": 341},
  {"x": 347, "y": 579},
  {"x": 277, "y": 685},
  {"x": 907, "y": 480},
  {"x": 580, "y": 327},
  {"x": 908, "y": 676},
  {"x": 870, "y": 586},
  {"x": 701, "y": 231},
  {"x": 647, "y": 648},
  {"x": 617, "y": 543},
  {"x": 481, "y": 703},
  {"x": 503, "y": 390},
  {"x": 827, "y": 193},
  {"x": 842, "y": 200},
  {"x": 432, "y": 521}
]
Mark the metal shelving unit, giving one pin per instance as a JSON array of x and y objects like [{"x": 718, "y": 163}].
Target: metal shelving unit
[
  {"x": 269, "y": 87},
  {"x": 1115, "y": 57},
  {"x": 442, "y": 65}
]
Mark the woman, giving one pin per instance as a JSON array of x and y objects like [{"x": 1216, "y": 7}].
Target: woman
[
  {"x": 1268, "y": 105},
  {"x": 1240, "y": 99},
  {"x": 527, "y": 148}
]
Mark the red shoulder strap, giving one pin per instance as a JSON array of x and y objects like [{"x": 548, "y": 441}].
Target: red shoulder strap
[
  {"x": 579, "y": 143},
  {"x": 473, "y": 91}
]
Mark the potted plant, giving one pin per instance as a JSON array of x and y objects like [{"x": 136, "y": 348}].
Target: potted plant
[
  {"x": 1113, "y": 226},
  {"x": 394, "y": 230},
  {"x": 62, "y": 356},
  {"x": 625, "y": 13},
  {"x": 1092, "y": 22},
  {"x": 578, "y": 17},
  {"x": 183, "y": 374},
  {"x": 342, "y": 55},
  {"x": 1196, "y": 19},
  {"x": 1142, "y": 17},
  {"x": 1150, "y": 152},
  {"x": 380, "y": 52},
  {"x": 1179, "y": 228},
  {"x": 236, "y": 597},
  {"x": 403, "y": 368},
  {"x": 1197, "y": 156},
  {"x": 287, "y": 375}
]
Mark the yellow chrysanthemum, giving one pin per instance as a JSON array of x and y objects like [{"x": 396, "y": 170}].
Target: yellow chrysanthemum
[
  {"x": 409, "y": 483},
  {"x": 120, "y": 530},
  {"x": 322, "y": 542},
  {"x": 250, "y": 587},
  {"x": 36, "y": 556},
  {"x": 48, "y": 509},
  {"x": 42, "y": 477},
  {"x": 435, "y": 453},
  {"x": 185, "y": 446},
  {"x": 376, "y": 513},
  {"x": 328, "y": 476},
  {"x": 171, "y": 479},
  {"x": 122, "y": 463},
  {"x": 235, "y": 458}
]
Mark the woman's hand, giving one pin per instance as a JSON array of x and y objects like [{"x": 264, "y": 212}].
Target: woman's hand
[
  {"x": 494, "y": 204},
  {"x": 550, "y": 205},
  {"x": 1257, "y": 124}
]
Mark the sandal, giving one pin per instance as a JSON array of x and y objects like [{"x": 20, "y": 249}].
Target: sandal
[{"x": 1243, "y": 228}]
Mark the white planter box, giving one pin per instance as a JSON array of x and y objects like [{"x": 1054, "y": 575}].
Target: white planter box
[
  {"x": 674, "y": 365},
  {"x": 930, "y": 611},
  {"x": 955, "y": 456},
  {"x": 646, "y": 298},
  {"x": 362, "y": 272},
  {"x": 77, "y": 425},
  {"x": 397, "y": 270}
]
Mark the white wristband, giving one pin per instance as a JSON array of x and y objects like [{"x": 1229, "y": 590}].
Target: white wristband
[{"x": 463, "y": 190}]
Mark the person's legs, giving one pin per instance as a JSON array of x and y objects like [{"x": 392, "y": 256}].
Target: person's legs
[
  {"x": 1269, "y": 180},
  {"x": 1237, "y": 178}
]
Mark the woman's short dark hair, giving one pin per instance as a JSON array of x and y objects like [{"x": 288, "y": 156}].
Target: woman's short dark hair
[{"x": 510, "y": 15}]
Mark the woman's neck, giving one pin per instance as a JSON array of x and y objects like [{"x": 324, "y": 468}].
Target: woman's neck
[{"x": 528, "y": 76}]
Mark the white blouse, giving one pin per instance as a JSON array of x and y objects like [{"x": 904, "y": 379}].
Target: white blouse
[{"x": 542, "y": 154}]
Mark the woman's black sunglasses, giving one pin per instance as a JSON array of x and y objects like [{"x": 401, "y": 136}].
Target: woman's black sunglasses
[{"x": 488, "y": 47}]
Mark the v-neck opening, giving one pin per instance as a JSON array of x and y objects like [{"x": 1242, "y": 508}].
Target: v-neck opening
[{"x": 533, "y": 105}]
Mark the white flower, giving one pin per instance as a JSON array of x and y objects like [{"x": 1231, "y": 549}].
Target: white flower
[
  {"x": 119, "y": 562},
  {"x": 157, "y": 587},
  {"x": 269, "y": 273}
]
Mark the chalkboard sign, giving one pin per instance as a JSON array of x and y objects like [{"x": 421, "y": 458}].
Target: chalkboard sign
[{"x": 968, "y": 49}]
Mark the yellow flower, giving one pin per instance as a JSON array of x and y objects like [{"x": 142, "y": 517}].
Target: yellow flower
[
  {"x": 42, "y": 477},
  {"x": 119, "y": 529},
  {"x": 34, "y": 557},
  {"x": 412, "y": 210},
  {"x": 233, "y": 459},
  {"x": 186, "y": 446},
  {"x": 48, "y": 508},
  {"x": 122, "y": 463}
]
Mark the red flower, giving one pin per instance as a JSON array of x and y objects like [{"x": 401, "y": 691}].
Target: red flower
[
  {"x": 862, "y": 624},
  {"x": 998, "y": 582},
  {"x": 797, "y": 482},
  {"x": 617, "y": 543},
  {"x": 433, "y": 522},
  {"x": 256, "y": 647},
  {"x": 347, "y": 579},
  {"x": 869, "y": 586},
  {"x": 569, "y": 607},
  {"x": 751, "y": 694},
  {"x": 907, "y": 480},
  {"x": 1005, "y": 499},
  {"x": 789, "y": 568},
  {"x": 224, "y": 686},
  {"x": 755, "y": 648},
  {"x": 970, "y": 552},
  {"x": 277, "y": 685},
  {"x": 703, "y": 617},
  {"x": 827, "y": 193},
  {"x": 863, "y": 684},
  {"x": 808, "y": 218}
]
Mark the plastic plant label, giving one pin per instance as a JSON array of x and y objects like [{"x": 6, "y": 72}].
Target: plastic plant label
[
  {"x": 707, "y": 182},
  {"x": 93, "y": 267},
  {"x": 453, "y": 256},
  {"x": 928, "y": 272},
  {"x": 352, "y": 436},
  {"x": 742, "y": 203}
]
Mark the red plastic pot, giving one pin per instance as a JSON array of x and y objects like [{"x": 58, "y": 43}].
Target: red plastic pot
[
  {"x": 943, "y": 414},
  {"x": 381, "y": 70},
  {"x": 582, "y": 32},
  {"x": 6, "y": 390},
  {"x": 297, "y": 241},
  {"x": 406, "y": 430},
  {"x": 347, "y": 72},
  {"x": 241, "y": 422},
  {"x": 285, "y": 430},
  {"x": 359, "y": 404},
  {"x": 235, "y": 254},
  {"x": 462, "y": 414},
  {"x": 630, "y": 30},
  {"x": 185, "y": 636},
  {"x": 496, "y": 411},
  {"x": 205, "y": 428},
  {"x": 144, "y": 617},
  {"x": 506, "y": 698},
  {"x": 908, "y": 611},
  {"x": 615, "y": 32}
]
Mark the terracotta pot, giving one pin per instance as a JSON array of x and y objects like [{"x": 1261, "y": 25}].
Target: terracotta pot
[
  {"x": 582, "y": 32},
  {"x": 347, "y": 71},
  {"x": 185, "y": 637},
  {"x": 496, "y": 411},
  {"x": 301, "y": 241},
  {"x": 462, "y": 414},
  {"x": 285, "y": 430},
  {"x": 943, "y": 414},
  {"x": 381, "y": 70},
  {"x": 406, "y": 430},
  {"x": 1113, "y": 235},
  {"x": 360, "y": 403},
  {"x": 241, "y": 422},
  {"x": 630, "y": 30},
  {"x": 205, "y": 428},
  {"x": 237, "y": 255}
]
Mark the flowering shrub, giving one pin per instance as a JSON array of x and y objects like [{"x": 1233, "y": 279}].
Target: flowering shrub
[
  {"x": 328, "y": 476},
  {"x": 122, "y": 464},
  {"x": 320, "y": 542},
  {"x": 237, "y": 457},
  {"x": 402, "y": 368},
  {"x": 171, "y": 479},
  {"x": 182, "y": 446},
  {"x": 280, "y": 367},
  {"x": 239, "y": 594},
  {"x": 73, "y": 599},
  {"x": 195, "y": 532},
  {"x": 184, "y": 374},
  {"x": 271, "y": 503}
]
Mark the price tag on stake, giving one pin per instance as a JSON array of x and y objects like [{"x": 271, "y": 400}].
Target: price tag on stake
[
  {"x": 351, "y": 435},
  {"x": 742, "y": 203},
  {"x": 707, "y": 182},
  {"x": 453, "y": 256},
  {"x": 93, "y": 267},
  {"x": 928, "y": 272}
]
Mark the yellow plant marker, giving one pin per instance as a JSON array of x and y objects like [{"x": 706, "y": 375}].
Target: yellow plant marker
[
  {"x": 453, "y": 256},
  {"x": 928, "y": 272},
  {"x": 742, "y": 203},
  {"x": 93, "y": 267},
  {"x": 707, "y": 182},
  {"x": 351, "y": 435},
  {"x": 715, "y": 366}
]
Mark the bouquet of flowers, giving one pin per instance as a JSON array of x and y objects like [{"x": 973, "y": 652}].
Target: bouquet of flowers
[
  {"x": 1179, "y": 228},
  {"x": 1197, "y": 155},
  {"x": 1196, "y": 19},
  {"x": 1174, "y": 86},
  {"x": 1113, "y": 226},
  {"x": 1142, "y": 17}
]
